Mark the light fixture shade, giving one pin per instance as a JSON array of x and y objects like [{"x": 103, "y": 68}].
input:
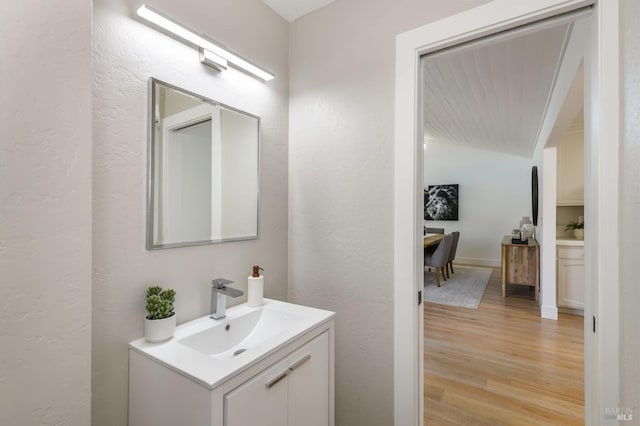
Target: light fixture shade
[
  {"x": 189, "y": 36},
  {"x": 212, "y": 60}
]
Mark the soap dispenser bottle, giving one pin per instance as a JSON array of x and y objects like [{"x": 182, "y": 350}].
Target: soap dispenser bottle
[{"x": 255, "y": 288}]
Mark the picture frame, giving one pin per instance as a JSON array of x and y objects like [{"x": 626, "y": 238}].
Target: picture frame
[{"x": 441, "y": 202}]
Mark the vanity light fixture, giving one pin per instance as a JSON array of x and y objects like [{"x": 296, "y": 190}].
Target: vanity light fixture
[
  {"x": 189, "y": 36},
  {"x": 212, "y": 60}
]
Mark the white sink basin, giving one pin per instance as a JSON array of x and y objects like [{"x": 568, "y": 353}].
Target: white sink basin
[
  {"x": 210, "y": 351},
  {"x": 227, "y": 337}
]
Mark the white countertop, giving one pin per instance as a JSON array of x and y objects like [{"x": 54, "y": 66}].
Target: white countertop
[
  {"x": 210, "y": 372},
  {"x": 569, "y": 241}
]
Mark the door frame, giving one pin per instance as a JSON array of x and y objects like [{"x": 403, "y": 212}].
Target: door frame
[
  {"x": 601, "y": 195},
  {"x": 179, "y": 120}
]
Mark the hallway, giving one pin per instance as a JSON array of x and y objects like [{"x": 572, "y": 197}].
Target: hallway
[{"x": 502, "y": 364}]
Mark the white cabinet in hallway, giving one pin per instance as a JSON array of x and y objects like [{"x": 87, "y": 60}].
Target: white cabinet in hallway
[{"x": 570, "y": 270}]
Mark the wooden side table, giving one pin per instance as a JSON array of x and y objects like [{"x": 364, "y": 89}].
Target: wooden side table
[{"x": 520, "y": 264}]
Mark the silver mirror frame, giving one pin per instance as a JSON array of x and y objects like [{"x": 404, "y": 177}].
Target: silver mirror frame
[{"x": 151, "y": 134}]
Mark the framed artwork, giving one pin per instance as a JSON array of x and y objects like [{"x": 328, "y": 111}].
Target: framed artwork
[{"x": 441, "y": 202}]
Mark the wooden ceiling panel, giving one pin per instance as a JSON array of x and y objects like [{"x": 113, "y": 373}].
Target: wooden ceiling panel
[{"x": 493, "y": 96}]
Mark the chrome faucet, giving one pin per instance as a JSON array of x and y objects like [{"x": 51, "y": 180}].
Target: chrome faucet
[{"x": 219, "y": 293}]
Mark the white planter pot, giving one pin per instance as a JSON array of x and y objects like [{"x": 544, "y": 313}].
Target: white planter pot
[
  {"x": 157, "y": 330},
  {"x": 578, "y": 234}
]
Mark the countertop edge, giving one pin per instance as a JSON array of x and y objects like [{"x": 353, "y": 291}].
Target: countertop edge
[{"x": 569, "y": 242}]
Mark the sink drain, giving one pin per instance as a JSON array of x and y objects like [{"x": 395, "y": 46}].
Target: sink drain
[{"x": 238, "y": 352}]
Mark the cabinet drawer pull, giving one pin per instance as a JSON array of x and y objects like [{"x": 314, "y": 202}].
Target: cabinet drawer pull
[
  {"x": 276, "y": 379},
  {"x": 299, "y": 362},
  {"x": 288, "y": 371}
]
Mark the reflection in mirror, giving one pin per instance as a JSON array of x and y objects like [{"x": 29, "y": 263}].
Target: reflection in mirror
[{"x": 203, "y": 170}]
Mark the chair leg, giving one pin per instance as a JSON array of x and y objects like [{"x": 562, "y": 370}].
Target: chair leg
[
  {"x": 451, "y": 266},
  {"x": 438, "y": 276},
  {"x": 446, "y": 270},
  {"x": 444, "y": 274}
]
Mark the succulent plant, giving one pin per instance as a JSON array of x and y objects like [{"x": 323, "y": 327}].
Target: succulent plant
[{"x": 160, "y": 302}]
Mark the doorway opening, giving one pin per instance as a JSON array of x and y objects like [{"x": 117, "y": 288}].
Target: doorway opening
[
  {"x": 486, "y": 110},
  {"x": 600, "y": 191}
]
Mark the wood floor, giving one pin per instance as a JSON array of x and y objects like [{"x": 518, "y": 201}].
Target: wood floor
[{"x": 502, "y": 364}]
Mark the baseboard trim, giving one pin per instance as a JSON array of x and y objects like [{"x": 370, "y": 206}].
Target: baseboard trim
[
  {"x": 549, "y": 312},
  {"x": 492, "y": 263},
  {"x": 571, "y": 311}
]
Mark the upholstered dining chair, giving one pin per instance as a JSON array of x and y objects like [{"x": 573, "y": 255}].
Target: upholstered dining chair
[
  {"x": 432, "y": 231},
  {"x": 452, "y": 252},
  {"x": 439, "y": 258}
]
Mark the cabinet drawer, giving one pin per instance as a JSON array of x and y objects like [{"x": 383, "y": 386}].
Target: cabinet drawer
[{"x": 570, "y": 252}]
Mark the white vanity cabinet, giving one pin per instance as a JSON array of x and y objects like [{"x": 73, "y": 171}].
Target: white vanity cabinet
[
  {"x": 570, "y": 270},
  {"x": 290, "y": 386},
  {"x": 295, "y": 391}
]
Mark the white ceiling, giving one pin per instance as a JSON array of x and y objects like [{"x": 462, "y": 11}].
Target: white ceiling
[
  {"x": 493, "y": 97},
  {"x": 294, "y": 9}
]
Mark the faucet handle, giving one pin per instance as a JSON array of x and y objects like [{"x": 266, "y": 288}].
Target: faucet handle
[{"x": 220, "y": 282}]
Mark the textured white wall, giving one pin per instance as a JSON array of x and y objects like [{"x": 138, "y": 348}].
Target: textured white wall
[
  {"x": 45, "y": 212},
  {"x": 125, "y": 54},
  {"x": 630, "y": 211},
  {"x": 341, "y": 185},
  {"x": 495, "y": 193}
]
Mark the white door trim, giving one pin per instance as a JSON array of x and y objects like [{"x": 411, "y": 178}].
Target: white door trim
[
  {"x": 601, "y": 195},
  {"x": 179, "y": 120}
]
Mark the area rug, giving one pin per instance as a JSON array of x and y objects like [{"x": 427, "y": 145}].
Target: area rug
[{"x": 465, "y": 288}]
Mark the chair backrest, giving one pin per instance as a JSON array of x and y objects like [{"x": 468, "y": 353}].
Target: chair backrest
[
  {"x": 440, "y": 257},
  {"x": 454, "y": 245},
  {"x": 435, "y": 230}
]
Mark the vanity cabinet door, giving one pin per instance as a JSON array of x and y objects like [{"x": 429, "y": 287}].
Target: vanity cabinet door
[
  {"x": 309, "y": 384},
  {"x": 294, "y": 392},
  {"x": 260, "y": 401}
]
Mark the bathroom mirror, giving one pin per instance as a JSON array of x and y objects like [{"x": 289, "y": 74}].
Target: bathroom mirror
[{"x": 203, "y": 170}]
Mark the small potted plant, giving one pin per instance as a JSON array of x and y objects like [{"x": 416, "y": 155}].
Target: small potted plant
[
  {"x": 577, "y": 228},
  {"x": 160, "y": 324}
]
